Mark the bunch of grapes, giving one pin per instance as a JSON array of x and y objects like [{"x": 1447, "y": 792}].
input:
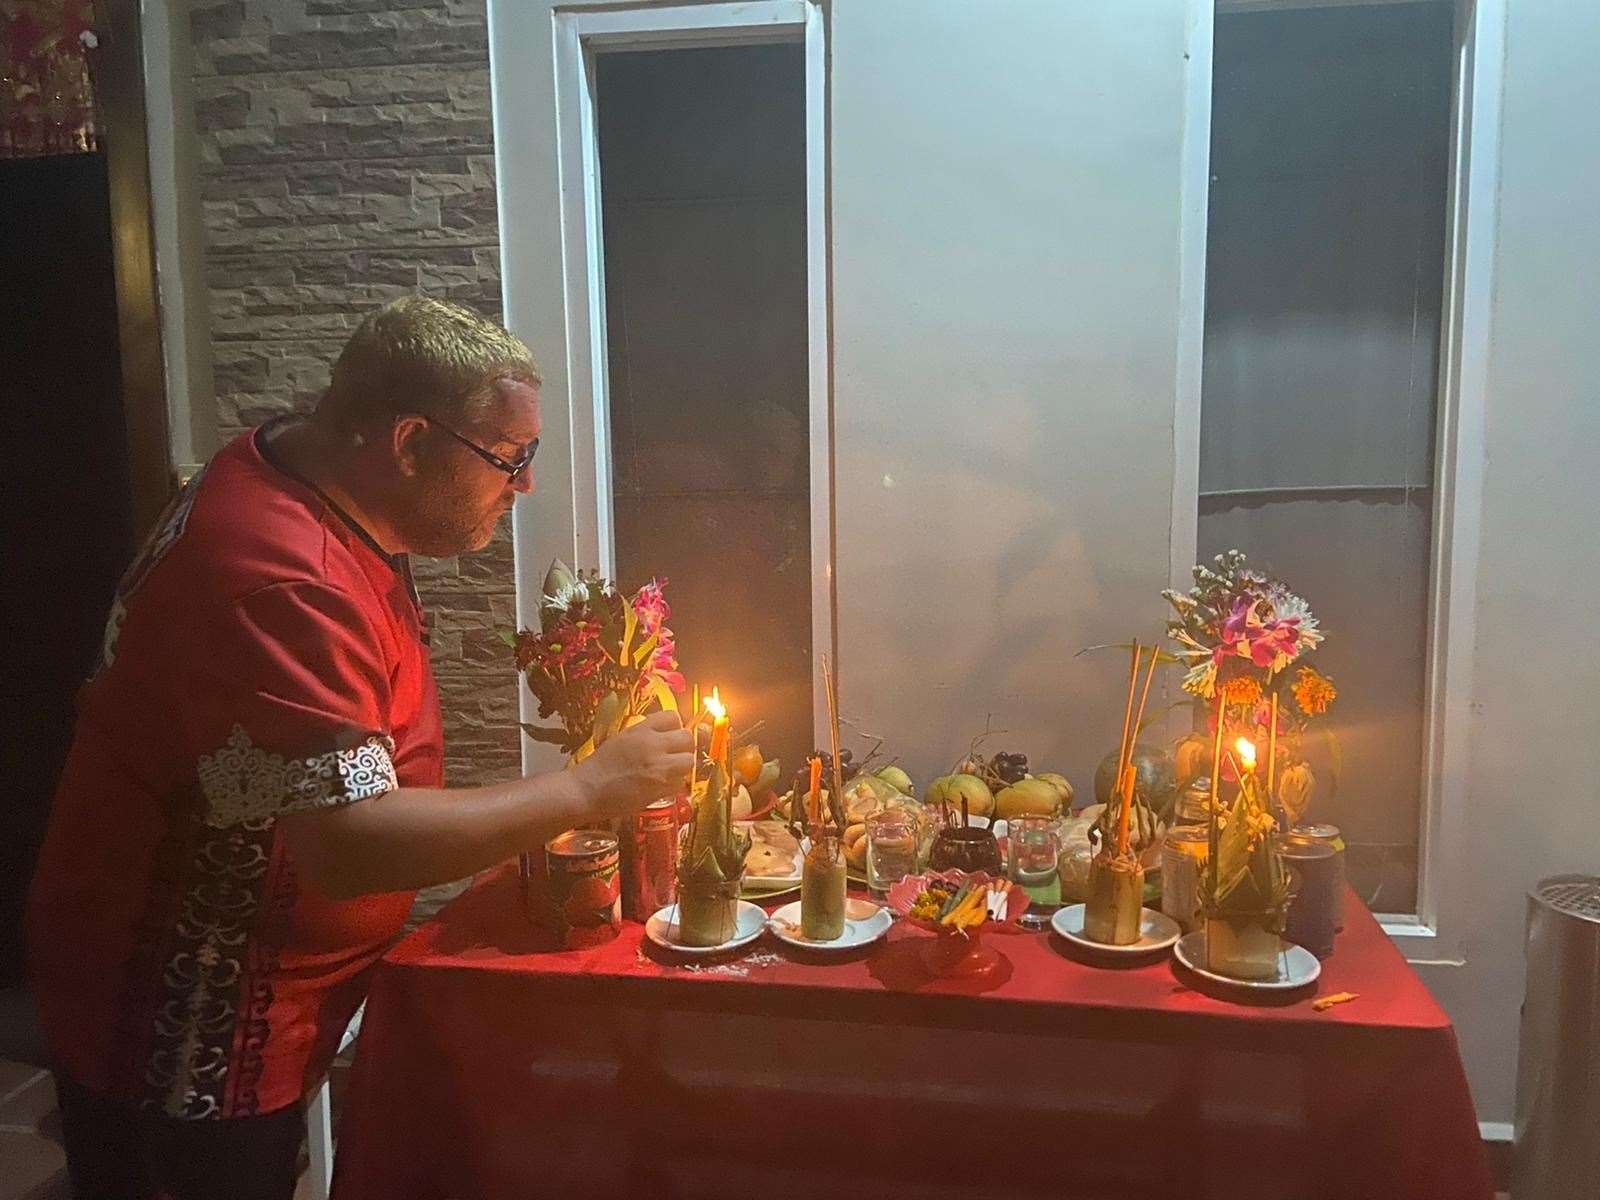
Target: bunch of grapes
[{"x": 1009, "y": 768}]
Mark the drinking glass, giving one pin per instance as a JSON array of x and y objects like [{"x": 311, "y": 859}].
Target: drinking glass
[{"x": 891, "y": 847}]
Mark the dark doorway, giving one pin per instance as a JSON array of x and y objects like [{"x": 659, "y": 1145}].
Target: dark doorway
[{"x": 68, "y": 519}]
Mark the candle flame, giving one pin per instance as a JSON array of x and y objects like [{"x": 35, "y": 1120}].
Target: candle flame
[
  {"x": 715, "y": 707},
  {"x": 1246, "y": 749}
]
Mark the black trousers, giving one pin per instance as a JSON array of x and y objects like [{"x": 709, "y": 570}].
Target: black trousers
[{"x": 115, "y": 1151}]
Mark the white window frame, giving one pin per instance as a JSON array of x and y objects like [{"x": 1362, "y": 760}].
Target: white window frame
[
  {"x": 580, "y": 34},
  {"x": 1428, "y": 935}
]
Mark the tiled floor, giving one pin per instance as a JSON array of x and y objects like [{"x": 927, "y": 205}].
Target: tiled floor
[
  {"x": 30, "y": 1146},
  {"x": 35, "y": 1167}
]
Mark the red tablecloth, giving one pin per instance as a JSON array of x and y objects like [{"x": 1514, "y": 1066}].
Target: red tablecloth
[{"x": 488, "y": 1067}]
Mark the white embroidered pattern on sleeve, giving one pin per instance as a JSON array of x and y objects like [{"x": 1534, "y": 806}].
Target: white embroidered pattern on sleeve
[{"x": 243, "y": 782}]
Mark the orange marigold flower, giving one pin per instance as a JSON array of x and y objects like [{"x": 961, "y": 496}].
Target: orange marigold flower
[
  {"x": 1313, "y": 692},
  {"x": 1243, "y": 690}
]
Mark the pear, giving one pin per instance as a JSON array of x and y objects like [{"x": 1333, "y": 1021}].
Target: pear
[
  {"x": 1028, "y": 798},
  {"x": 1062, "y": 785},
  {"x": 950, "y": 789},
  {"x": 897, "y": 778}
]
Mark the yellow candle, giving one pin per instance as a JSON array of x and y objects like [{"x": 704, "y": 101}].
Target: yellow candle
[{"x": 1246, "y": 750}]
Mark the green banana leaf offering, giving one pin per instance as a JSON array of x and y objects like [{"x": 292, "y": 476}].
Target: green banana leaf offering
[{"x": 710, "y": 866}]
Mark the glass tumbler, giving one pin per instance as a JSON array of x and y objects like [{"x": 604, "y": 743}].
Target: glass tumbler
[{"x": 892, "y": 836}]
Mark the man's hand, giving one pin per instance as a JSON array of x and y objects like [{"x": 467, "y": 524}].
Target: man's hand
[{"x": 638, "y": 765}]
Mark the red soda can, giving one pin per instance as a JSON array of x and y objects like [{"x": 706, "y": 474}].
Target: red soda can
[
  {"x": 650, "y": 859},
  {"x": 585, "y": 886}
]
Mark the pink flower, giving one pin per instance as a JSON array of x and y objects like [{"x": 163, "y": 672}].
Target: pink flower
[
  {"x": 1267, "y": 644},
  {"x": 664, "y": 664},
  {"x": 650, "y": 604}
]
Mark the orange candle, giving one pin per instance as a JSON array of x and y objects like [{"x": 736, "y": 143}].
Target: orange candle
[
  {"x": 719, "y": 730},
  {"x": 814, "y": 790}
]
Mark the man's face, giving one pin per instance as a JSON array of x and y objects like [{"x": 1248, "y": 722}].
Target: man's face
[{"x": 458, "y": 497}]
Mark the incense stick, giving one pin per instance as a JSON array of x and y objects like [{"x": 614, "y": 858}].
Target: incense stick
[
  {"x": 836, "y": 800},
  {"x": 1127, "y": 768}
]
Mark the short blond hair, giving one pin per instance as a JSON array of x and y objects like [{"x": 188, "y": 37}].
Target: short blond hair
[{"x": 422, "y": 355}]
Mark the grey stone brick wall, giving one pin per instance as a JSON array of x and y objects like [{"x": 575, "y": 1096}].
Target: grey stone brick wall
[{"x": 347, "y": 158}]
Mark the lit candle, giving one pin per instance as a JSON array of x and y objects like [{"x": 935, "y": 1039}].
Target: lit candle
[
  {"x": 1246, "y": 750},
  {"x": 719, "y": 730}
]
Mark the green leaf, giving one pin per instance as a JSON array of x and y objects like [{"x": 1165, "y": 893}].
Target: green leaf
[
  {"x": 662, "y": 693},
  {"x": 630, "y": 625},
  {"x": 509, "y": 637},
  {"x": 608, "y": 716},
  {"x": 549, "y": 735},
  {"x": 1161, "y": 655},
  {"x": 646, "y": 649},
  {"x": 1233, "y": 852}
]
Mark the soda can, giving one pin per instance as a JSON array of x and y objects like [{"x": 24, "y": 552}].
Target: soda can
[
  {"x": 1314, "y": 909},
  {"x": 650, "y": 860},
  {"x": 1328, "y": 835},
  {"x": 585, "y": 886}
]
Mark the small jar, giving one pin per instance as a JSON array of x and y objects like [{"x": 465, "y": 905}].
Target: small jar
[
  {"x": 1193, "y": 802},
  {"x": 1183, "y": 857}
]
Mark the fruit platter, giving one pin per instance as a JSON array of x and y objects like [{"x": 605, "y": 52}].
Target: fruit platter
[{"x": 959, "y": 909}]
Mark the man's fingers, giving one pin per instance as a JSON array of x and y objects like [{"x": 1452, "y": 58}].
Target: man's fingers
[
  {"x": 662, "y": 719},
  {"x": 677, "y": 741},
  {"x": 675, "y": 765}
]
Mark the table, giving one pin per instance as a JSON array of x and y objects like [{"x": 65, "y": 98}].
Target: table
[{"x": 489, "y": 1067}]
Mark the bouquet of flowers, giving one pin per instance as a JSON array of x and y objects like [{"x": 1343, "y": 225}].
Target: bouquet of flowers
[
  {"x": 1239, "y": 632},
  {"x": 598, "y": 661},
  {"x": 1244, "y": 639}
]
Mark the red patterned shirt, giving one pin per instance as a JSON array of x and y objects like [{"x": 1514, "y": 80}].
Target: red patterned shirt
[{"x": 263, "y": 656}]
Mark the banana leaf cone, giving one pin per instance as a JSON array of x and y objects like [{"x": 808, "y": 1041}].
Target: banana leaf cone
[
  {"x": 710, "y": 868},
  {"x": 1111, "y": 915}
]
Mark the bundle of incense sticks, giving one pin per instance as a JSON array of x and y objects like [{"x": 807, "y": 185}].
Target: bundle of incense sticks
[{"x": 1131, "y": 723}]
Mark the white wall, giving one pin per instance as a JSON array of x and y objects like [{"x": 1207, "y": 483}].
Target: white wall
[
  {"x": 1535, "y": 760},
  {"x": 1005, "y": 245},
  {"x": 1005, "y": 217}
]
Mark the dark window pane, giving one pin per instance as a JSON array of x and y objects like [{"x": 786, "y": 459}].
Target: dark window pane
[
  {"x": 1325, "y": 269},
  {"x": 702, "y": 157}
]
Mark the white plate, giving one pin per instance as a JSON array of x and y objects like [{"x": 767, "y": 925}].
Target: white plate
[
  {"x": 1157, "y": 931},
  {"x": 1297, "y": 966},
  {"x": 748, "y": 922},
  {"x": 858, "y": 931}
]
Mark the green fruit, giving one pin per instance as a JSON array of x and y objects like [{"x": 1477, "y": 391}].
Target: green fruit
[
  {"x": 882, "y": 788},
  {"x": 765, "y": 781},
  {"x": 1154, "y": 780},
  {"x": 1062, "y": 785},
  {"x": 898, "y": 779},
  {"x": 950, "y": 789},
  {"x": 1027, "y": 798}
]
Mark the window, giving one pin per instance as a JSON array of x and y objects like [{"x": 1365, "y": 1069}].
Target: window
[
  {"x": 1325, "y": 273},
  {"x": 703, "y": 190}
]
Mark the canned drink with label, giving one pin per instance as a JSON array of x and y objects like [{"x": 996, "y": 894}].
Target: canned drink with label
[
  {"x": 1314, "y": 911},
  {"x": 1183, "y": 857},
  {"x": 1327, "y": 835},
  {"x": 585, "y": 886},
  {"x": 650, "y": 860}
]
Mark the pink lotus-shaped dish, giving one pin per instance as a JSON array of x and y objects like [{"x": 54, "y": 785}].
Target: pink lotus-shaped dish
[{"x": 956, "y": 951}]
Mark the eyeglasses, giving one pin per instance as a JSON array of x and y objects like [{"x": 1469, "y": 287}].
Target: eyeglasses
[{"x": 511, "y": 467}]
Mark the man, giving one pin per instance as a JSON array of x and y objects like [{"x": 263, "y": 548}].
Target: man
[{"x": 253, "y": 794}]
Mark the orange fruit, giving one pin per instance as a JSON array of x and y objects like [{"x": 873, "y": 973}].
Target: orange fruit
[{"x": 747, "y": 763}]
